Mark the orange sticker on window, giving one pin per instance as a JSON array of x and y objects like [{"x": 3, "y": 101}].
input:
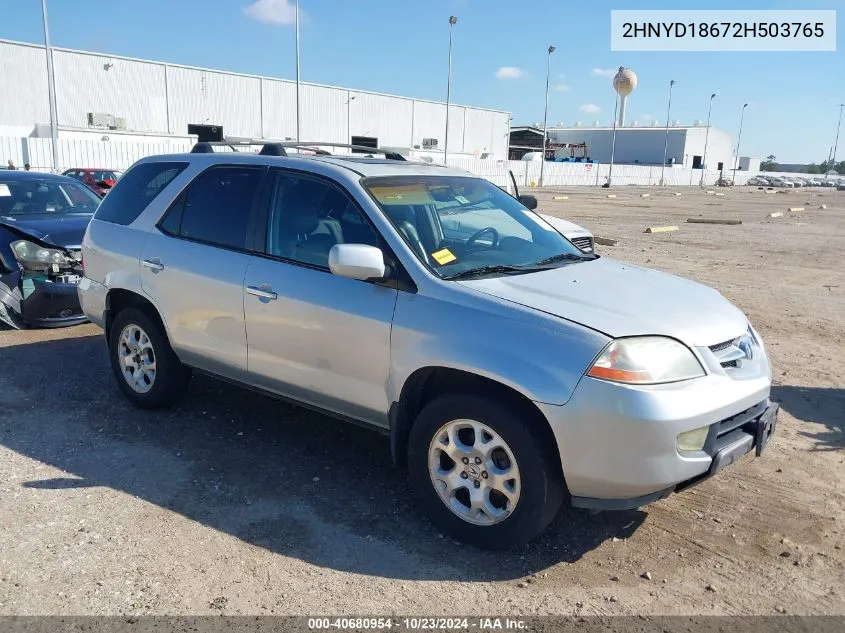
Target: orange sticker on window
[
  {"x": 402, "y": 194},
  {"x": 443, "y": 256}
]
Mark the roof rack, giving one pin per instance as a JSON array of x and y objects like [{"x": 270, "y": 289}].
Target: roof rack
[{"x": 277, "y": 148}]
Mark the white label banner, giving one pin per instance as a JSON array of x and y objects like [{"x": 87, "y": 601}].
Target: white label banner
[{"x": 723, "y": 30}]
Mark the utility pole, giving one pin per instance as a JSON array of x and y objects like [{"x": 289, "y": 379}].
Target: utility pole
[
  {"x": 706, "y": 138},
  {"x": 298, "y": 119},
  {"x": 452, "y": 21},
  {"x": 546, "y": 115},
  {"x": 666, "y": 140},
  {"x": 51, "y": 88}
]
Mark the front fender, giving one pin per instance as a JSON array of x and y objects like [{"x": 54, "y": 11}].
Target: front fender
[{"x": 542, "y": 363}]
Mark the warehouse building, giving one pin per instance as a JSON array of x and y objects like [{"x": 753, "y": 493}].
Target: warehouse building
[
  {"x": 635, "y": 145},
  {"x": 104, "y": 97}
]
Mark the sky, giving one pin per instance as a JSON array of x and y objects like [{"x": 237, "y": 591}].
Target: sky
[{"x": 499, "y": 57}]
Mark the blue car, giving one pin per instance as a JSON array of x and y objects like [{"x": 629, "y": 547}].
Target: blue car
[{"x": 42, "y": 220}]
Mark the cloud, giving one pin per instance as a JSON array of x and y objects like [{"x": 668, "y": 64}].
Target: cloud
[
  {"x": 647, "y": 117},
  {"x": 590, "y": 108},
  {"x": 562, "y": 87},
  {"x": 273, "y": 11},
  {"x": 604, "y": 72},
  {"x": 509, "y": 72}
]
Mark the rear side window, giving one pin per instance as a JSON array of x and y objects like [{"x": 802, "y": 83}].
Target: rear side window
[
  {"x": 216, "y": 207},
  {"x": 138, "y": 187}
]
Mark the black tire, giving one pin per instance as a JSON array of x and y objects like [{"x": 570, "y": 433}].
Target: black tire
[
  {"x": 171, "y": 376},
  {"x": 542, "y": 485}
]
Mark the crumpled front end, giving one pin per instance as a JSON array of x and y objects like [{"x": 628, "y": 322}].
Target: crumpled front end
[{"x": 42, "y": 298}]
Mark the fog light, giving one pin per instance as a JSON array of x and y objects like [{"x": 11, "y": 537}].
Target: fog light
[{"x": 693, "y": 440}]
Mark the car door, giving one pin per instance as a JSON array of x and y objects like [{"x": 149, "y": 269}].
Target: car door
[
  {"x": 193, "y": 268},
  {"x": 314, "y": 336}
]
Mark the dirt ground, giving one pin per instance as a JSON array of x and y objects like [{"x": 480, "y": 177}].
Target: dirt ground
[{"x": 235, "y": 503}]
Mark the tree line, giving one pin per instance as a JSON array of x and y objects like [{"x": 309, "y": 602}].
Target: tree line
[{"x": 771, "y": 164}]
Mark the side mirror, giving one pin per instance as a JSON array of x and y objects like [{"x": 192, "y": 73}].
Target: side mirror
[
  {"x": 528, "y": 201},
  {"x": 357, "y": 261}
]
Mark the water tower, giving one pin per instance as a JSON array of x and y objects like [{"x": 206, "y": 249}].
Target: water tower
[{"x": 624, "y": 83}]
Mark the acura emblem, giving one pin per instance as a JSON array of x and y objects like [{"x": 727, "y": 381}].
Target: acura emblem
[{"x": 746, "y": 347}]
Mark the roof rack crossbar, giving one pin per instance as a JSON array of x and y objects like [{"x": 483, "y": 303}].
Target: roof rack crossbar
[
  {"x": 268, "y": 148},
  {"x": 388, "y": 154}
]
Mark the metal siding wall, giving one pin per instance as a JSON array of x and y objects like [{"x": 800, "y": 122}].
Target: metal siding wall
[
  {"x": 129, "y": 89},
  {"x": 324, "y": 114},
  {"x": 198, "y": 96},
  {"x": 386, "y": 118},
  {"x": 23, "y": 87},
  {"x": 278, "y": 105},
  {"x": 429, "y": 122},
  {"x": 456, "y": 128},
  {"x": 479, "y": 131}
]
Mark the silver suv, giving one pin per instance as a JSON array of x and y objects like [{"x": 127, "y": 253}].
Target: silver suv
[{"x": 511, "y": 370}]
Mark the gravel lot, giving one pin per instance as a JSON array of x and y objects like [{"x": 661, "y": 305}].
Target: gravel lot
[{"x": 235, "y": 503}]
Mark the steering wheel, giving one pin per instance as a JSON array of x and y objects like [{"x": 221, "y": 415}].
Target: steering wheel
[{"x": 489, "y": 229}]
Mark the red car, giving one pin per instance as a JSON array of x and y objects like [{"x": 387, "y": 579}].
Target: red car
[{"x": 100, "y": 180}]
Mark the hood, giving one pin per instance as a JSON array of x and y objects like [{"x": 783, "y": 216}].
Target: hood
[
  {"x": 565, "y": 226},
  {"x": 64, "y": 230},
  {"x": 621, "y": 299}
]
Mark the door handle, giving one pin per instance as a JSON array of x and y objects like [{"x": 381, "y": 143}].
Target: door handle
[
  {"x": 261, "y": 294},
  {"x": 152, "y": 264}
]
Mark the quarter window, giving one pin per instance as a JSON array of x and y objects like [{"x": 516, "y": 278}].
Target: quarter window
[{"x": 136, "y": 190}]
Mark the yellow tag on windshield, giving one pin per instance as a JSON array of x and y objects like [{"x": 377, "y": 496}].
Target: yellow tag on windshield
[
  {"x": 402, "y": 194},
  {"x": 443, "y": 256}
]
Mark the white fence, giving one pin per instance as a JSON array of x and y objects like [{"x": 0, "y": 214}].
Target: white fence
[{"x": 120, "y": 155}]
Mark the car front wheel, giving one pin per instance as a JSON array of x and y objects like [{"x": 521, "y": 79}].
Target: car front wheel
[{"x": 483, "y": 471}]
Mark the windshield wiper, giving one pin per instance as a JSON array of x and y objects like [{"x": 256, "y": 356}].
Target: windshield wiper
[
  {"x": 488, "y": 270},
  {"x": 562, "y": 257}
]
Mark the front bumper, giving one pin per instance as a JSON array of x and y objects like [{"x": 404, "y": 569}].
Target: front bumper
[
  {"x": 618, "y": 443},
  {"x": 39, "y": 303}
]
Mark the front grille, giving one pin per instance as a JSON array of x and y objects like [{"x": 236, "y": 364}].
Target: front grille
[
  {"x": 721, "y": 346},
  {"x": 584, "y": 243}
]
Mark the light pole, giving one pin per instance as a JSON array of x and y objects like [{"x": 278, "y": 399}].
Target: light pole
[
  {"x": 666, "y": 140},
  {"x": 738, "y": 139},
  {"x": 706, "y": 138},
  {"x": 546, "y": 114},
  {"x": 836, "y": 142},
  {"x": 452, "y": 21},
  {"x": 51, "y": 88},
  {"x": 298, "y": 120},
  {"x": 613, "y": 140}
]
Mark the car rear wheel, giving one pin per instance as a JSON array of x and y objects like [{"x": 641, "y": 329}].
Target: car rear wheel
[
  {"x": 146, "y": 368},
  {"x": 483, "y": 471}
]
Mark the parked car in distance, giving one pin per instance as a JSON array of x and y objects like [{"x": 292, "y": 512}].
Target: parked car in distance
[
  {"x": 781, "y": 182},
  {"x": 724, "y": 181},
  {"x": 758, "y": 181},
  {"x": 512, "y": 371},
  {"x": 99, "y": 180},
  {"x": 841, "y": 186},
  {"x": 42, "y": 220}
]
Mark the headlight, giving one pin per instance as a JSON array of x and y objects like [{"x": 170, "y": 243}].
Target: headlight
[
  {"x": 646, "y": 360},
  {"x": 34, "y": 257}
]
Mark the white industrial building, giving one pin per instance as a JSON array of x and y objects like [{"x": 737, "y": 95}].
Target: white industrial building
[
  {"x": 104, "y": 97},
  {"x": 640, "y": 145}
]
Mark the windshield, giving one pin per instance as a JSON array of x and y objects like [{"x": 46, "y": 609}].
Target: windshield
[
  {"x": 34, "y": 196},
  {"x": 461, "y": 227}
]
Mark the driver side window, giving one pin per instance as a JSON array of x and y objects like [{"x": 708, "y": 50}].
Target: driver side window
[{"x": 308, "y": 216}]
